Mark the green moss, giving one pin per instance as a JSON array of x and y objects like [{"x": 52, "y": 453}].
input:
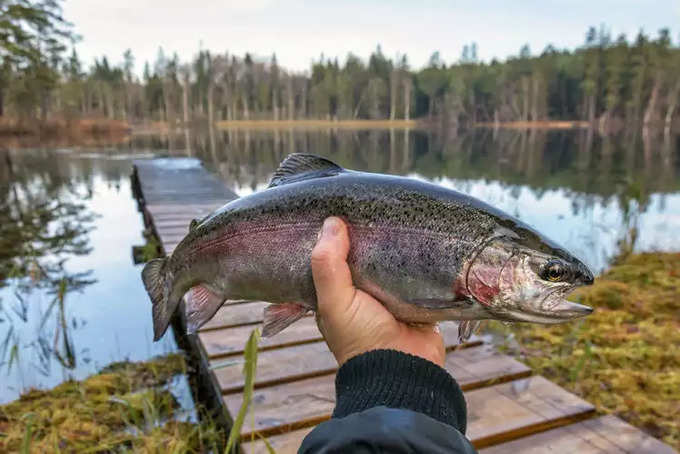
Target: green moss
[
  {"x": 623, "y": 358},
  {"x": 126, "y": 406}
]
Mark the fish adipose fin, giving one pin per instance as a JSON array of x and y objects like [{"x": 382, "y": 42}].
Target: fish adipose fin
[
  {"x": 201, "y": 304},
  {"x": 300, "y": 166},
  {"x": 278, "y": 317},
  {"x": 154, "y": 276},
  {"x": 466, "y": 328}
]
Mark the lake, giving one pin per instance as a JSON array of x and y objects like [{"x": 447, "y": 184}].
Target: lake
[{"x": 72, "y": 300}]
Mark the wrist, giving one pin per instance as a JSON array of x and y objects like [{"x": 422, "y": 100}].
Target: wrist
[{"x": 396, "y": 379}]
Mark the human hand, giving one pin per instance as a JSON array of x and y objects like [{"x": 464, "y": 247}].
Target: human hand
[{"x": 352, "y": 321}]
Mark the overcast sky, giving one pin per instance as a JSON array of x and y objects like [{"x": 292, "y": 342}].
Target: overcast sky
[{"x": 299, "y": 31}]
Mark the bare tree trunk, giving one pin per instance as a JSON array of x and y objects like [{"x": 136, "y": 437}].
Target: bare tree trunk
[
  {"x": 185, "y": 99},
  {"x": 525, "y": 98},
  {"x": 291, "y": 99},
  {"x": 303, "y": 102},
  {"x": 246, "y": 111},
  {"x": 407, "y": 98},
  {"x": 394, "y": 83},
  {"x": 211, "y": 107},
  {"x": 651, "y": 106},
  {"x": 591, "y": 108},
  {"x": 473, "y": 106},
  {"x": 672, "y": 105},
  {"x": 167, "y": 101},
  {"x": 275, "y": 106},
  {"x": 109, "y": 103},
  {"x": 534, "y": 98},
  {"x": 44, "y": 100}
]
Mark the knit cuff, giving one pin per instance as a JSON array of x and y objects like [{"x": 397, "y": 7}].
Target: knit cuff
[{"x": 398, "y": 380}]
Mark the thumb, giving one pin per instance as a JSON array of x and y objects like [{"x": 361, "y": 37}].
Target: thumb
[{"x": 332, "y": 277}]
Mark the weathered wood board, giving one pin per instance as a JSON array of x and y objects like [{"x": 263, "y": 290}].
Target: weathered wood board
[
  {"x": 603, "y": 435},
  {"x": 495, "y": 414},
  {"x": 304, "y": 402},
  {"x": 295, "y": 362}
]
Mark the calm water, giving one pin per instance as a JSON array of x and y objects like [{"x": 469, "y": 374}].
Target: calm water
[
  {"x": 104, "y": 315},
  {"x": 596, "y": 196}
]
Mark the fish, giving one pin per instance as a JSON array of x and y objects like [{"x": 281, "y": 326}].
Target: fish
[{"x": 427, "y": 253}]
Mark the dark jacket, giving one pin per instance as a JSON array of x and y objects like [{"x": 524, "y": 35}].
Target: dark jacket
[{"x": 388, "y": 401}]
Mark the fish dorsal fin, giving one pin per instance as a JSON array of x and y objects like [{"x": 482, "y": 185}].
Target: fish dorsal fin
[
  {"x": 300, "y": 166},
  {"x": 193, "y": 224}
]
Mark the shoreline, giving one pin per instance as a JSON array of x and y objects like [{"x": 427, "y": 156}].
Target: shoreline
[
  {"x": 89, "y": 130},
  {"x": 321, "y": 124}
]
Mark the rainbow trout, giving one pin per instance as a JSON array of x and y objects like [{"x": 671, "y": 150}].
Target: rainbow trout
[{"x": 427, "y": 253}]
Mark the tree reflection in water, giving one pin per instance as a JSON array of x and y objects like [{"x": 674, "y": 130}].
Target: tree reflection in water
[{"x": 42, "y": 225}]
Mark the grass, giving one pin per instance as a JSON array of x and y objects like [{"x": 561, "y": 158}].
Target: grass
[
  {"x": 624, "y": 357},
  {"x": 127, "y": 406},
  {"x": 249, "y": 370}
]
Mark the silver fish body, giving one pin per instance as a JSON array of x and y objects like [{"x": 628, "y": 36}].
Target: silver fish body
[{"x": 428, "y": 253}]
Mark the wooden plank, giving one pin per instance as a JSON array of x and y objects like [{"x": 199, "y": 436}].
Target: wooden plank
[
  {"x": 495, "y": 414},
  {"x": 520, "y": 408},
  {"x": 275, "y": 366},
  {"x": 603, "y": 435},
  {"x": 235, "y": 315},
  {"x": 297, "y": 362},
  {"x": 307, "y": 402},
  {"x": 231, "y": 341}
]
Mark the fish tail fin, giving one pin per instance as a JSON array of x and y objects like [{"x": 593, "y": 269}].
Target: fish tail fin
[{"x": 155, "y": 279}]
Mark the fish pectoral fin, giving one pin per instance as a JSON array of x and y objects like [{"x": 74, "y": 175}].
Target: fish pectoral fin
[
  {"x": 278, "y": 317},
  {"x": 301, "y": 166},
  {"x": 466, "y": 328},
  {"x": 436, "y": 303},
  {"x": 201, "y": 304}
]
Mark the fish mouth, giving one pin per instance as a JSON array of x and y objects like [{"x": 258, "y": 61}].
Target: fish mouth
[{"x": 560, "y": 311}]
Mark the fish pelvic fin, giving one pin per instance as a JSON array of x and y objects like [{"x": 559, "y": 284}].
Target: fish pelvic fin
[
  {"x": 466, "y": 328},
  {"x": 278, "y": 317},
  {"x": 157, "y": 286},
  {"x": 201, "y": 304}
]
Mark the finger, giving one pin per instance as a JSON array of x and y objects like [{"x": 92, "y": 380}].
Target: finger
[{"x": 332, "y": 277}]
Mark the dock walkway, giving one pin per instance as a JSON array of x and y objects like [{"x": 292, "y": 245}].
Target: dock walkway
[{"x": 510, "y": 409}]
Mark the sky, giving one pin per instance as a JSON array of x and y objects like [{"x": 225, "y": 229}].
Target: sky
[{"x": 301, "y": 31}]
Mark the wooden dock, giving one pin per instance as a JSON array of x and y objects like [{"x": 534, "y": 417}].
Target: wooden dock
[{"x": 510, "y": 409}]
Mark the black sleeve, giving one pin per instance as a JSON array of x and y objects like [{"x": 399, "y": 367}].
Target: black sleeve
[{"x": 389, "y": 401}]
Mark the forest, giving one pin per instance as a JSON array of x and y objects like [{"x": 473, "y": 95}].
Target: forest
[{"x": 610, "y": 82}]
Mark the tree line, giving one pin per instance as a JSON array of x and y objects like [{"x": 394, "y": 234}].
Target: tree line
[{"x": 607, "y": 82}]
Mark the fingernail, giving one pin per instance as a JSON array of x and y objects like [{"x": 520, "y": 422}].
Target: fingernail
[{"x": 330, "y": 228}]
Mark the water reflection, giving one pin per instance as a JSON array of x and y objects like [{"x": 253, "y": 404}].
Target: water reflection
[
  {"x": 70, "y": 299},
  {"x": 599, "y": 196}
]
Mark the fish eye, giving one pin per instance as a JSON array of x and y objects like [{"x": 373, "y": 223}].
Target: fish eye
[{"x": 554, "y": 271}]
